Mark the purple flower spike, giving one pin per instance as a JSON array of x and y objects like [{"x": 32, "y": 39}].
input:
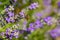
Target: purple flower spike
[
  {"x": 38, "y": 24},
  {"x": 7, "y": 31},
  {"x": 48, "y": 20},
  {"x": 33, "y": 6},
  {"x": 31, "y": 27},
  {"x": 55, "y": 33}
]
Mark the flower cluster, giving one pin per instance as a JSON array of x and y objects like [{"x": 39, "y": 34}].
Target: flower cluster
[
  {"x": 49, "y": 20},
  {"x": 11, "y": 17},
  {"x": 27, "y": 19},
  {"x": 10, "y": 33},
  {"x": 33, "y": 6},
  {"x": 37, "y": 24}
]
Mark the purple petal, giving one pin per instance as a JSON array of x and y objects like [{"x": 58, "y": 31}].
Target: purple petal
[
  {"x": 8, "y": 19},
  {"x": 58, "y": 4},
  {"x": 11, "y": 14}
]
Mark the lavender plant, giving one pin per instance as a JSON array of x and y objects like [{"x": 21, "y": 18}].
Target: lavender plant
[{"x": 29, "y": 19}]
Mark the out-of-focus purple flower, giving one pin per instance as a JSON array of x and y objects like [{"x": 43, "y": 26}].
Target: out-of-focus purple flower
[
  {"x": 8, "y": 33},
  {"x": 10, "y": 14},
  {"x": 7, "y": 19},
  {"x": 35, "y": 25},
  {"x": 47, "y": 9},
  {"x": 33, "y": 6},
  {"x": 11, "y": 33},
  {"x": 31, "y": 27},
  {"x": 2, "y": 34},
  {"x": 58, "y": 4},
  {"x": 15, "y": 0},
  {"x": 12, "y": 20},
  {"x": 22, "y": 14},
  {"x": 38, "y": 24},
  {"x": 6, "y": 9},
  {"x": 37, "y": 15},
  {"x": 48, "y": 20},
  {"x": 8, "y": 30},
  {"x": 24, "y": 25},
  {"x": 47, "y": 2},
  {"x": 55, "y": 33},
  {"x": 0, "y": 2},
  {"x": 16, "y": 36},
  {"x": 10, "y": 36}
]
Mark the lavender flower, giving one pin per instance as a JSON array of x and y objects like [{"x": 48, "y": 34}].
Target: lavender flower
[
  {"x": 47, "y": 2},
  {"x": 58, "y": 4},
  {"x": 2, "y": 34},
  {"x": 31, "y": 27},
  {"x": 16, "y": 33},
  {"x": 12, "y": 33},
  {"x": 38, "y": 24},
  {"x": 48, "y": 20},
  {"x": 6, "y": 9},
  {"x": 33, "y": 6},
  {"x": 37, "y": 15},
  {"x": 7, "y": 19},
  {"x": 10, "y": 14},
  {"x": 22, "y": 14},
  {"x": 55, "y": 33},
  {"x": 15, "y": 0},
  {"x": 10, "y": 37},
  {"x": 12, "y": 20},
  {"x": 8, "y": 30},
  {"x": 24, "y": 25}
]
